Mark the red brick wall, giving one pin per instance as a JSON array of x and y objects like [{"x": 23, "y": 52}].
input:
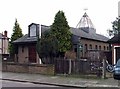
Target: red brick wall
[
  {"x": 31, "y": 68},
  {"x": 93, "y": 43}
]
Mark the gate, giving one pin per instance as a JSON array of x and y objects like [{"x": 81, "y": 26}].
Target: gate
[{"x": 61, "y": 66}]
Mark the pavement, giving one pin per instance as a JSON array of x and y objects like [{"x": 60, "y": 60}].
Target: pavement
[{"x": 59, "y": 80}]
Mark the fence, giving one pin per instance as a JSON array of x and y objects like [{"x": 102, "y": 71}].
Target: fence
[
  {"x": 64, "y": 66},
  {"x": 91, "y": 65}
]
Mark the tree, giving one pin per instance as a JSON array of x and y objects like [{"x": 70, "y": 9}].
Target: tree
[
  {"x": 115, "y": 27},
  {"x": 17, "y": 33},
  {"x": 47, "y": 48},
  {"x": 56, "y": 41},
  {"x": 60, "y": 30}
]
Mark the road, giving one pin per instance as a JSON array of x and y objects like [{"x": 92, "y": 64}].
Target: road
[
  {"x": 6, "y": 83},
  {"x": 26, "y": 85}
]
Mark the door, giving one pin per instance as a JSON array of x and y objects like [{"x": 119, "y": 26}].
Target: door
[{"x": 32, "y": 54}]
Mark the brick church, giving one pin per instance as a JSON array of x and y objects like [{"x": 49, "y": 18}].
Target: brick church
[{"x": 85, "y": 33}]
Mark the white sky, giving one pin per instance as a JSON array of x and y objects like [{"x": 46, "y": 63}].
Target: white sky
[{"x": 101, "y": 12}]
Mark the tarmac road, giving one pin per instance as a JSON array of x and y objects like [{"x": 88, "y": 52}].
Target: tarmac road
[{"x": 6, "y": 83}]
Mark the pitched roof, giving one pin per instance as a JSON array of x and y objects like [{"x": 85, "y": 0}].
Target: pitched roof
[
  {"x": 115, "y": 39},
  {"x": 83, "y": 34},
  {"x": 75, "y": 31},
  {"x": 27, "y": 39},
  {"x": 75, "y": 39}
]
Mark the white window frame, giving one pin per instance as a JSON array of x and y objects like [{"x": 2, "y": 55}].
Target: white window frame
[{"x": 115, "y": 53}]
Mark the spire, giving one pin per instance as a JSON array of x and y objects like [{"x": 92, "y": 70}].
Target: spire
[{"x": 86, "y": 24}]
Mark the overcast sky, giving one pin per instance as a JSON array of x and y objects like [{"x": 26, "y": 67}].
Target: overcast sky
[{"x": 101, "y": 12}]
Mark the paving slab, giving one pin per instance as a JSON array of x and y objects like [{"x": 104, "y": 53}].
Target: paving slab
[{"x": 60, "y": 81}]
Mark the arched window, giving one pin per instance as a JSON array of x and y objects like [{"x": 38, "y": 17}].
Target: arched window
[
  {"x": 107, "y": 48},
  {"x": 86, "y": 48},
  {"x": 96, "y": 47},
  {"x": 99, "y": 47},
  {"x": 90, "y": 46},
  {"x": 104, "y": 47},
  {"x": 22, "y": 49}
]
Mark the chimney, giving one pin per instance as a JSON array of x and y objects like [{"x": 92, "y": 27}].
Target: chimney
[{"x": 5, "y": 33}]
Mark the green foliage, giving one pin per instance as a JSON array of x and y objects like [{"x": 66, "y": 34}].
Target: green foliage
[
  {"x": 56, "y": 41},
  {"x": 115, "y": 27},
  {"x": 60, "y": 30},
  {"x": 17, "y": 33},
  {"x": 47, "y": 46}
]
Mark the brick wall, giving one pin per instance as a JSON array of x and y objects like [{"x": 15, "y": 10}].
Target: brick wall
[
  {"x": 93, "y": 44},
  {"x": 29, "y": 68}
]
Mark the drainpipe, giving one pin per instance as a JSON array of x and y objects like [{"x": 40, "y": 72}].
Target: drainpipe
[{"x": 2, "y": 47}]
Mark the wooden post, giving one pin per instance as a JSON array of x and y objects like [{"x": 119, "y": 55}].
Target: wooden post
[
  {"x": 104, "y": 70},
  {"x": 69, "y": 66}
]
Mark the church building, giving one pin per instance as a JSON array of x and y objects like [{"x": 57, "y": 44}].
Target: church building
[
  {"x": 84, "y": 33},
  {"x": 89, "y": 39}
]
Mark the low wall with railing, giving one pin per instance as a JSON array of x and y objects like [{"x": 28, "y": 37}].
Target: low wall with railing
[{"x": 47, "y": 69}]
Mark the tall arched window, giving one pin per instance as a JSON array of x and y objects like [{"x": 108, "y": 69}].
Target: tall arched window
[
  {"x": 99, "y": 47},
  {"x": 90, "y": 46},
  {"x": 96, "y": 47},
  {"x": 86, "y": 48},
  {"x": 104, "y": 47}
]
